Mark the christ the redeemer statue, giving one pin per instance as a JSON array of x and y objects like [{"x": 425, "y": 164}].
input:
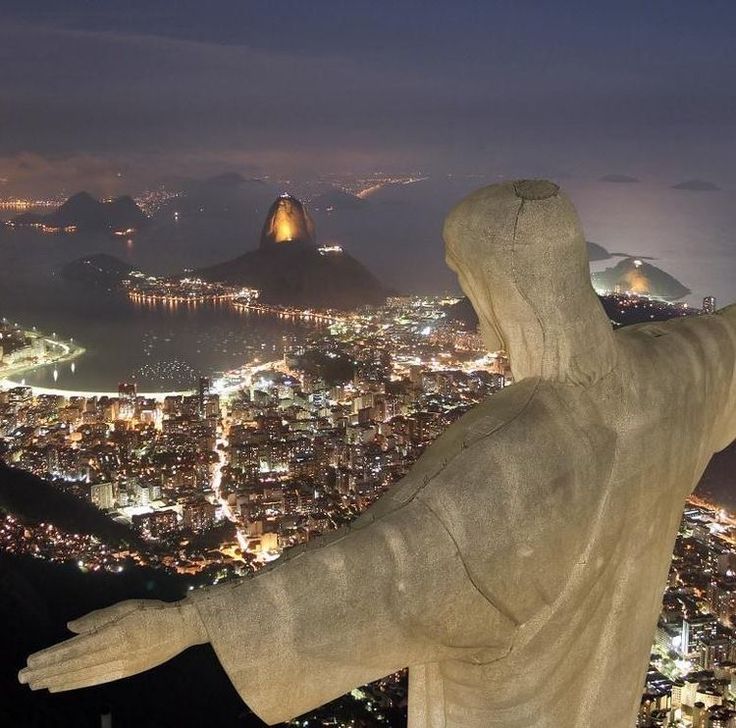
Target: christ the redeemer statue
[{"x": 518, "y": 569}]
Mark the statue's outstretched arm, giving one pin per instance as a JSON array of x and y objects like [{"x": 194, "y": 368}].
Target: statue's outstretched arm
[
  {"x": 710, "y": 342},
  {"x": 361, "y": 604}
]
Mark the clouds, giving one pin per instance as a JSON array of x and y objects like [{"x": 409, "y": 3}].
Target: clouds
[
  {"x": 81, "y": 102},
  {"x": 79, "y": 92},
  {"x": 289, "y": 87}
]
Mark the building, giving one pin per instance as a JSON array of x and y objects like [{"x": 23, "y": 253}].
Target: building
[
  {"x": 721, "y": 717},
  {"x": 127, "y": 390},
  {"x": 198, "y": 516},
  {"x": 102, "y": 495},
  {"x": 722, "y": 598},
  {"x": 715, "y": 651},
  {"x": 203, "y": 392},
  {"x": 709, "y": 304},
  {"x": 127, "y": 395},
  {"x": 156, "y": 525},
  {"x": 697, "y": 630}
]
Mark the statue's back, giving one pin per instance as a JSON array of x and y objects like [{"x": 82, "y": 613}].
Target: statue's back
[{"x": 566, "y": 510}]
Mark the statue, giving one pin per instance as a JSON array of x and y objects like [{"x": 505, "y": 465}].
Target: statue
[{"x": 518, "y": 569}]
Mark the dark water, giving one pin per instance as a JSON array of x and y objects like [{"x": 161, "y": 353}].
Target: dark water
[{"x": 159, "y": 347}]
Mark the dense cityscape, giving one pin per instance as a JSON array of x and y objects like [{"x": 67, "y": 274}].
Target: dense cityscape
[{"x": 287, "y": 448}]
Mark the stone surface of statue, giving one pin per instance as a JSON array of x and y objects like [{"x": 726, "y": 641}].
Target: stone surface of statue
[{"x": 518, "y": 569}]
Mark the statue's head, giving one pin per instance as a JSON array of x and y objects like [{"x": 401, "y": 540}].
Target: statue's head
[{"x": 521, "y": 258}]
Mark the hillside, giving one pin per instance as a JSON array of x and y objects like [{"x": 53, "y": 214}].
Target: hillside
[
  {"x": 292, "y": 275},
  {"x": 638, "y": 276},
  {"x": 30, "y": 498},
  {"x": 97, "y": 269}
]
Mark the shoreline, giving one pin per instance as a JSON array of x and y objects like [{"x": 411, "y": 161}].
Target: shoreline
[
  {"x": 9, "y": 383},
  {"x": 224, "y": 385},
  {"x": 69, "y": 352}
]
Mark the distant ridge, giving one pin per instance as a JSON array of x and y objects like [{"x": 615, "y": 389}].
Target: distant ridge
[
  {"x": 97, "y": 269},
  {"x": 228, "y": 179},
  {"x": 230, "y": 196},
  {"x": 336, "y": 199},
  {"x": 84, "y": 212},
  {"x": 697, "y": 185},
  {"x": 597, "y": 252},
  {"x": 638, "y": 276}
]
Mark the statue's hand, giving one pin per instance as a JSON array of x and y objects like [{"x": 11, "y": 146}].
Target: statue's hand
[{"x": 111, "y": 643}]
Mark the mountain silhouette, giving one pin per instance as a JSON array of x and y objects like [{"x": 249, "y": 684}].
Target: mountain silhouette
[
  {"x": 29, "y": 497},
  {"x": 697, "y": 185},
  {"x": 638, "y": 276},
  {"x": 597, "y": 252},
  {"x": 97, "y": 269},
  {"x": 618, "y": 178},
  {"x": 85, "y": 213},
  {"x": 336, "y": 199},
  {"x": 290, "y": 270}
]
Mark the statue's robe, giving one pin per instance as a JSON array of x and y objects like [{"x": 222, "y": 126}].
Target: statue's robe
[{"x": 518, "y": 570}]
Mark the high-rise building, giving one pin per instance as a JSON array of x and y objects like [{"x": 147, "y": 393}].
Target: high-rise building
[
  {"x": 203, "y": 391},
  {"x": 199, "y": 516},
  {"x": 721, "y": 717},
  {"x": 695, "y": 630},
  {"x": 127, "y": 393},
  {"x": 157, "y": 524},
  {"x": 102, "y": 495},
  {"x": 722, "y": 597}
]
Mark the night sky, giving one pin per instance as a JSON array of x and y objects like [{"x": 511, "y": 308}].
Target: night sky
[{"x": 150, "y": 88}]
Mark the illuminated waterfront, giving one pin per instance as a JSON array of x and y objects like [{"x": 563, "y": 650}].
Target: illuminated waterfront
[
  {"x": 33, "y": 350},
  {"x": 147, "y": 289},
  {"x": 161, "y": 346}
]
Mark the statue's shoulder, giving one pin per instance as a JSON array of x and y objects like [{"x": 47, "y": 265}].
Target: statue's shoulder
[
  {"x": 678, "y": 331},
  {"x": 524, "y": 501},
  {"x": 512, "y": 423}
]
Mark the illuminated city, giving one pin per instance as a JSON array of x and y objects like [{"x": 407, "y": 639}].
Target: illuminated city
[{"x": 367, "y": 365}]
